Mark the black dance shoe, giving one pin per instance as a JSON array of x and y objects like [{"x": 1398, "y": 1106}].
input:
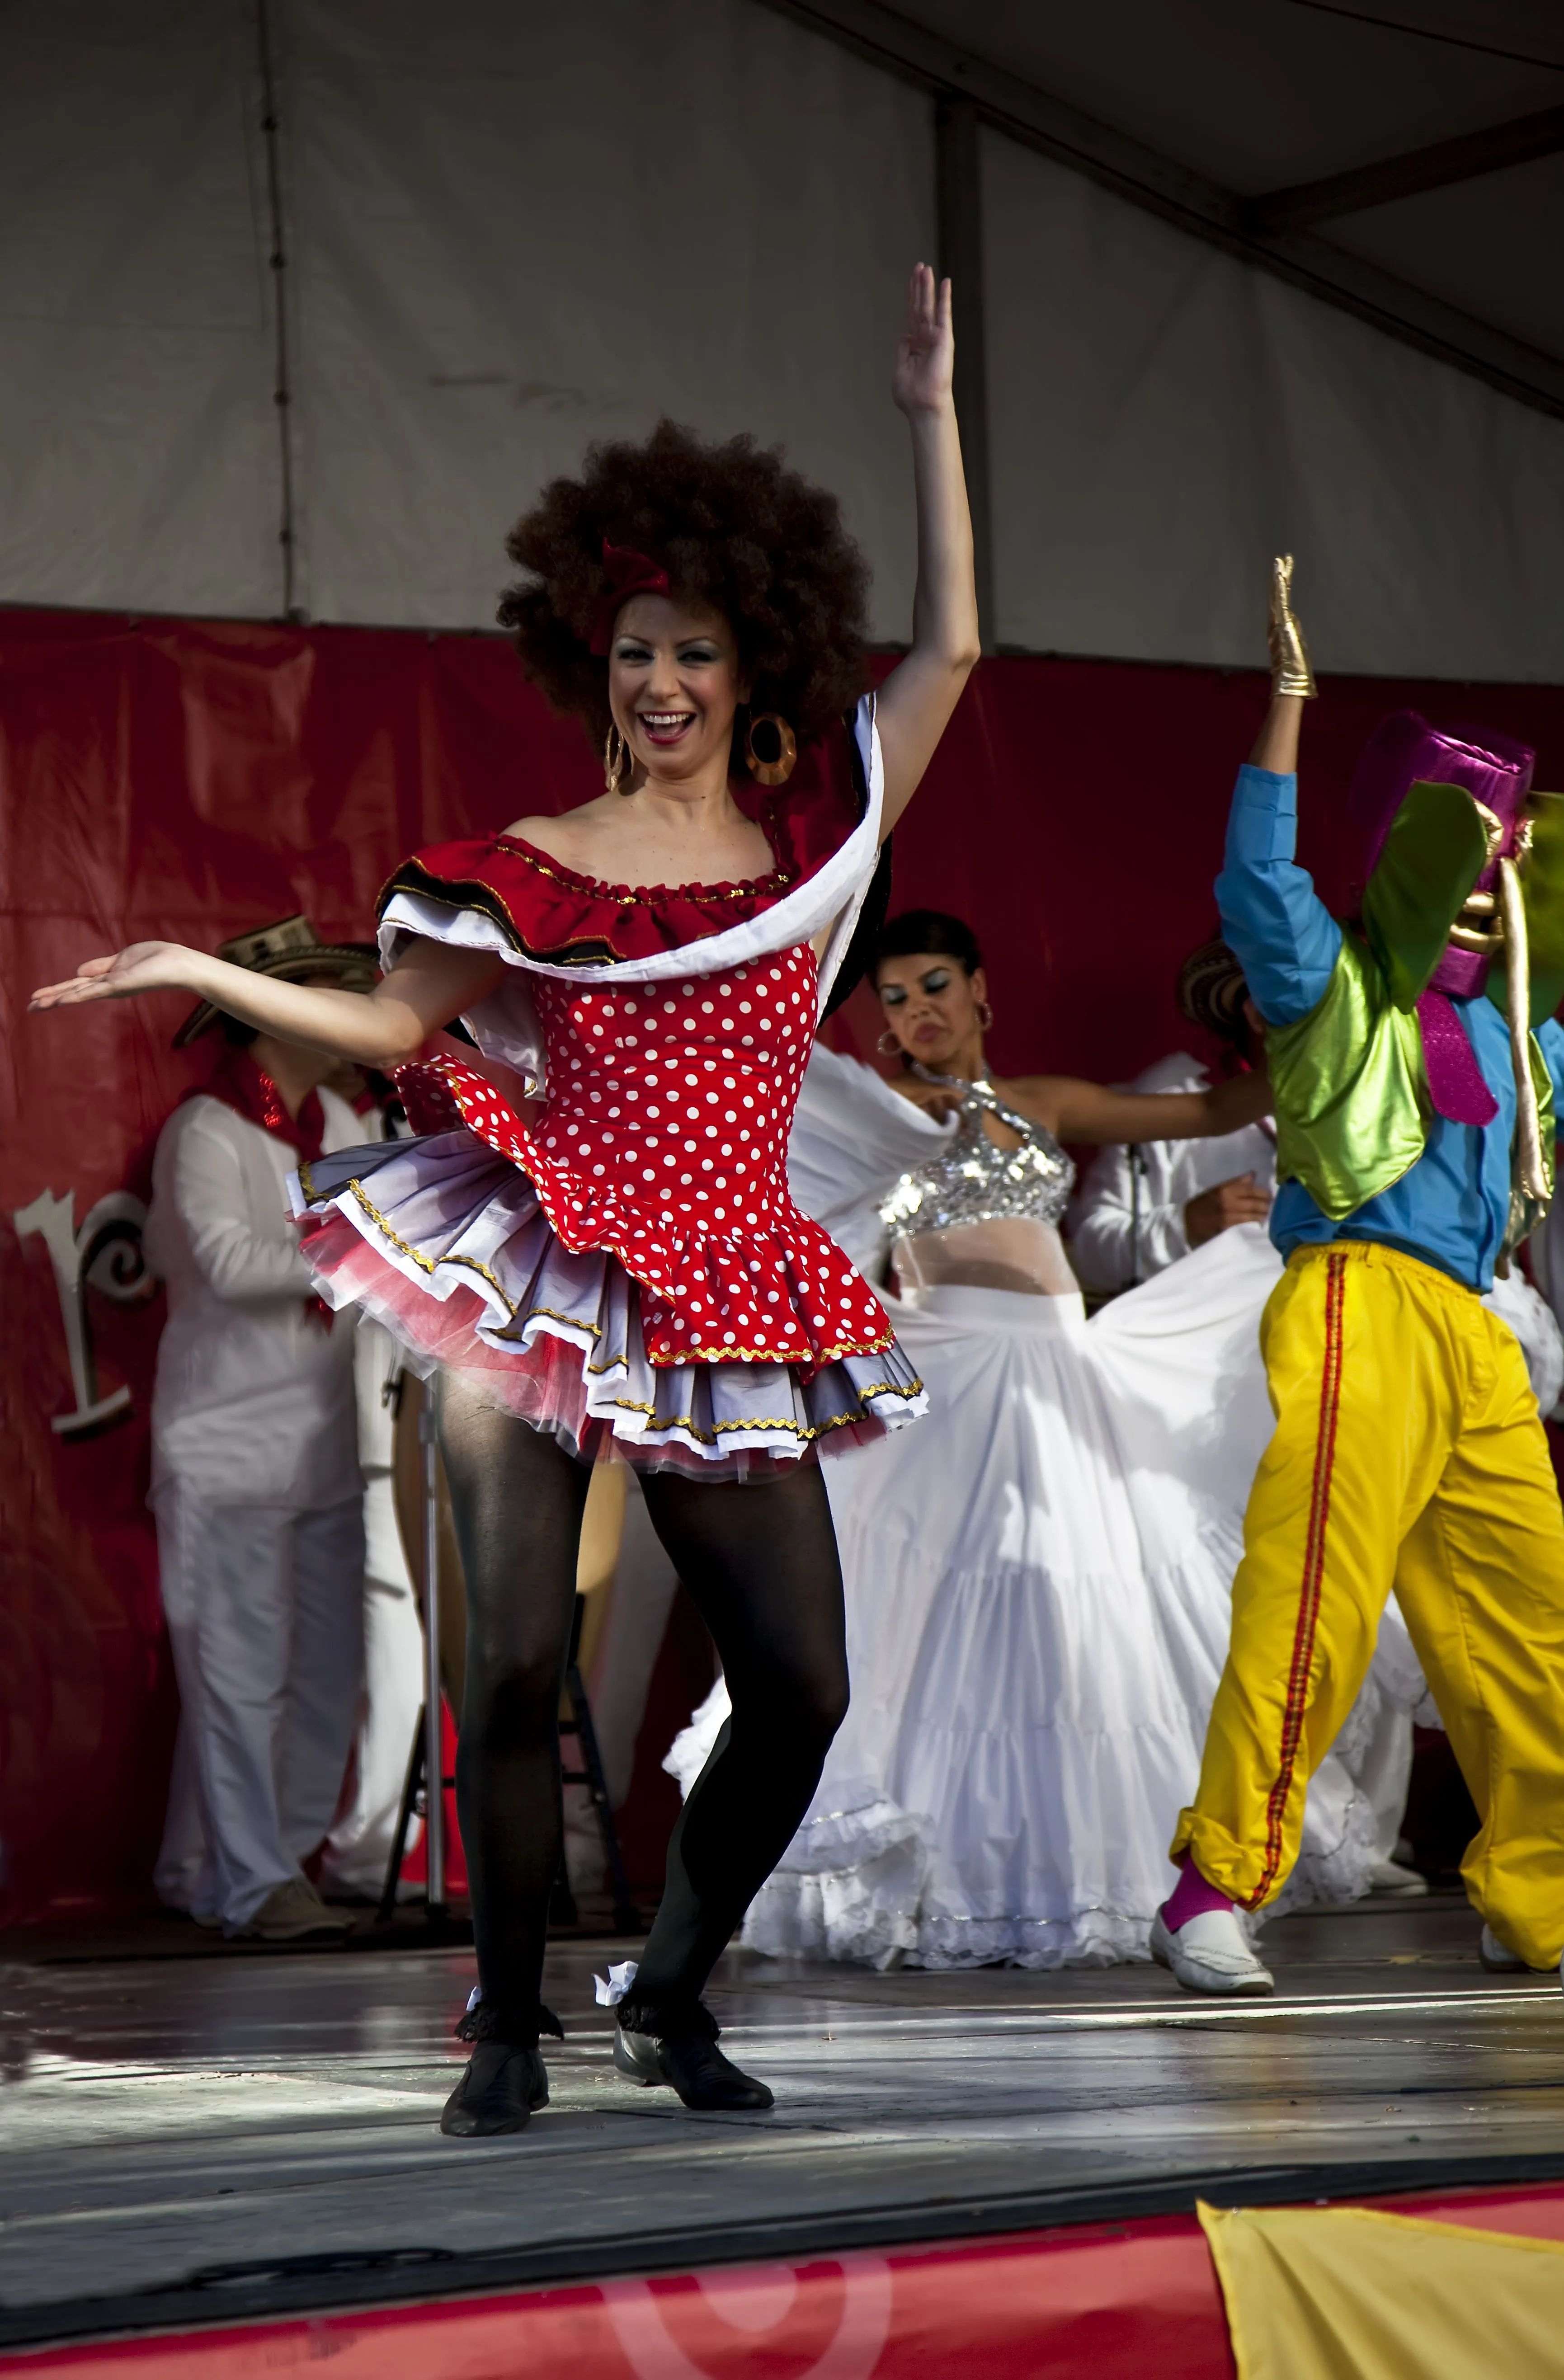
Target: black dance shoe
[
  {"x": 680, "y": 2048},
  {"x": 505, "y": 2080},
  {"x": 503, "y": 2083}
]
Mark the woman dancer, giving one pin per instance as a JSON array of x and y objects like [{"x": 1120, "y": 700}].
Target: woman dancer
[
  {"x": 1038, "y": 1619},
  {"x": 625, "y": 1269}
]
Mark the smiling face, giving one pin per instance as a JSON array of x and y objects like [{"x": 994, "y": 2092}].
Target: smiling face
[
  {"x": 930, "y": 1005},
  {"x": 673, "y": 685}
]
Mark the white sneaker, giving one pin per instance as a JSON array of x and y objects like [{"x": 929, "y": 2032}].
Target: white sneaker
[
  {"x": 1388, "y": 1879},
  {"x": 1209, "y": 1953},
  {"x": 1498, "y": 1958}
]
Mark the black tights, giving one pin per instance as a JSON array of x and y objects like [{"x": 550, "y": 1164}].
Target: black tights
[{"x": 760, "y": 1561}]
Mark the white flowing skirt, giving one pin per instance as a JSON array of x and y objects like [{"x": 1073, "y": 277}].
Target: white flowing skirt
[{"x": 1038, "y": 1590}]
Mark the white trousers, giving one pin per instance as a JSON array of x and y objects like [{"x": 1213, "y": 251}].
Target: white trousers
[
  {"x": 265, "y": 1616},
  {"x": 1381, "y": 1769},
  {"x": 360, "y": 1843}
]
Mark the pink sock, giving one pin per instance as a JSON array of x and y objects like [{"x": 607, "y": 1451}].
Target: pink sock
[{"x": 1191, "y": 1897}]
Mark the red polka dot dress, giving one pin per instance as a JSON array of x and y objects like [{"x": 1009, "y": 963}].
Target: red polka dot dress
[{"x": 624, "y": 1265}]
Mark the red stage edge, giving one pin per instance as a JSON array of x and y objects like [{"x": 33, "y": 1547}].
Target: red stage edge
[{"x": 1120, "y": 2300}]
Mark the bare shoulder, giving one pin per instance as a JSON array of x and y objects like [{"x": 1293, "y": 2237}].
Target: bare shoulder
[
  {"x": 571, "y": 836},
  {"x": 1037, "y": 1096}
]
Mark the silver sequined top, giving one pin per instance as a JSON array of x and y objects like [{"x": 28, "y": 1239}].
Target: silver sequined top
[{"x": 971, "y": 1181}]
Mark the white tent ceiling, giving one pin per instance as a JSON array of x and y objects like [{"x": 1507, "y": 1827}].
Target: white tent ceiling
[{"x": 508, "y": 228}]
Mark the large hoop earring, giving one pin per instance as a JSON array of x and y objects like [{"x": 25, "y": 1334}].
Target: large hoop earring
[
  {"x": 888, "y": 1044},
  {"x": 616, "y": 755},
  {"x": 777, "y": 770},
  {"x": 985, "y": 1016}
]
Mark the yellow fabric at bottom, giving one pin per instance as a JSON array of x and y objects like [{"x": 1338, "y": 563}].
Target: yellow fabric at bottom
[
  {"x": 1408, "y": 1456},
  {"x": 1349, "y": 2293}
]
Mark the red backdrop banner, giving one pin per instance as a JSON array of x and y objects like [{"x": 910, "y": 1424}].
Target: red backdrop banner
[{"x": 189, "y": 780}]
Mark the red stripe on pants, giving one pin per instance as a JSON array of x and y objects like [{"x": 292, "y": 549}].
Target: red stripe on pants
[{"x": 1314, "y": 1573}]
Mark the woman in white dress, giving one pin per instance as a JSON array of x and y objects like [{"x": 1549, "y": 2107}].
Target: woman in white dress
[{"x": 1037, "y": 1594}]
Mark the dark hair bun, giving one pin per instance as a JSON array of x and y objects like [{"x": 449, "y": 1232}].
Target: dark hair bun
[{"x": 934, "y": 930}]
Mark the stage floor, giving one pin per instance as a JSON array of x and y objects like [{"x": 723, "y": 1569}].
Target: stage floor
[{"x": 189, "y": 2140}]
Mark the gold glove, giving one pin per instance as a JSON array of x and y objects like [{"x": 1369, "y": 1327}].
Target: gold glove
[{"x": 1290, "y": 672}]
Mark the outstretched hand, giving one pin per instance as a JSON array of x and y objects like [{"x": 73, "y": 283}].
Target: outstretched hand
[
  {"x": 926, "y": 349},
  {"x": 144, "y": 967}
]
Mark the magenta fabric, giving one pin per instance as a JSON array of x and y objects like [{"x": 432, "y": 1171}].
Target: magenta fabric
[
  {"x": 1495, "y": 769},
  {"x": 626, "y": 573},
  {"x": 1455, "y": 1079},
  {"x": 1466, "y": 972},
  {"x": 1460, "y": 975},
  {"x": 1191, "y": 1897},
  {"x": 1405, "y": 749}
]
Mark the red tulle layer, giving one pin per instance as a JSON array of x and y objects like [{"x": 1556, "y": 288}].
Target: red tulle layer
[{"x": 540, "y": 1382}]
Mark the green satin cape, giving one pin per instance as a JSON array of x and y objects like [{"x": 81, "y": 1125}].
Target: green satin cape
[{"x": 1353, "y": 1103}]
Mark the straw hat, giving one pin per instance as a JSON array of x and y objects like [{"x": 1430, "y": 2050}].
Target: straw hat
[
  {"x": 1212, "y": 992},
  {"x": 293, "y": 951}
]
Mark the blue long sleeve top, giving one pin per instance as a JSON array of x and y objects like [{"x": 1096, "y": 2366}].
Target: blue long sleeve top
[{"x": 1452, "y": 1208}]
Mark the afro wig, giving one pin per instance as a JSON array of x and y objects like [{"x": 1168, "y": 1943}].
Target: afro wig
[{"x": 737, "y": 532}]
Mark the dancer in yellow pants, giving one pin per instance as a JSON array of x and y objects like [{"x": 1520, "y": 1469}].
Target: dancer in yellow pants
[
  {"x": 1414, "y": 1147},
  {"x": 1408, "y": 1455}
]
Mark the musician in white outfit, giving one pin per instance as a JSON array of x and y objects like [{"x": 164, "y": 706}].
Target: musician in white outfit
[
  {"x": 256, "y": 1483},
  {"x": 358, "y": 1848}
]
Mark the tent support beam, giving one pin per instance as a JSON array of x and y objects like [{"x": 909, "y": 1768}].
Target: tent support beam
[
  {"x": 1190, "y": 201},
  {"x": 282, "y": 388},
  {"x": 1434, "y": 168}
]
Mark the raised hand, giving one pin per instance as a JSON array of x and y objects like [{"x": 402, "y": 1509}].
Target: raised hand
[
  {"x": 144, "y": 967},
  {"x": 916, "y": 700},
  {"x": 926, "y": 351},
  {"x": 1290, "y": 672}
]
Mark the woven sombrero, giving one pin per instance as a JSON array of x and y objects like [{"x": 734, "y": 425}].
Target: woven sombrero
[
  {"x": 1212, "y": 992},
  {"x": 293, "y": 950}
]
